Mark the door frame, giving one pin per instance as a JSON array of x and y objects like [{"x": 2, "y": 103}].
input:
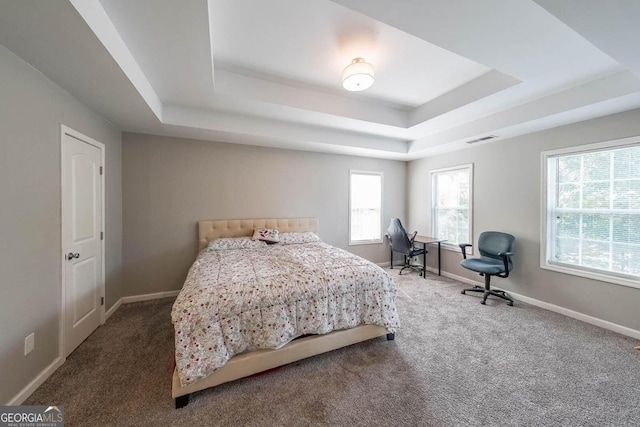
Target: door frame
[{"x": 64, "y": 130}]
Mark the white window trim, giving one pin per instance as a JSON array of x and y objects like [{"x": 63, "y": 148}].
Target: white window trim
[
  {"x": 367, "y": 242},
  {"x": 448, "y": 245},
  {"x": 589, "y": 273}
]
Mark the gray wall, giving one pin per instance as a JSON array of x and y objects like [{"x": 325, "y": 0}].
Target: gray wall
[
  {"x": 507, "y": 198},
  {"x": 32, "y": 109},
  {"x": 170, "y": 184}
]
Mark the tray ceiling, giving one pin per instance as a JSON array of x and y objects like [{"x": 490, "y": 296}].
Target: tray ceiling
[{"x": 269, "y": 73}]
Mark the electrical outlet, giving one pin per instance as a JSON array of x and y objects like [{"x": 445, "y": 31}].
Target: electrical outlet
[{"x": 29, "y": 343}]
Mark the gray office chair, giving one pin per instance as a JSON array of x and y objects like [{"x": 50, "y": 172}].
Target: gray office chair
[
  {"x": 401, "y": 242},
  {"x": 495, "y": 260}
]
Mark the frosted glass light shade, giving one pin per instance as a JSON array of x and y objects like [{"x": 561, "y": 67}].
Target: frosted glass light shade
[{"x": 357, "y": 76}]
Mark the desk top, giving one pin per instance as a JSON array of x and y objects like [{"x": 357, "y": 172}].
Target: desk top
[{"x": 427, "y": 239}]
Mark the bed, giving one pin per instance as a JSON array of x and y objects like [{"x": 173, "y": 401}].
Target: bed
[{"x": 248, "y": 308}]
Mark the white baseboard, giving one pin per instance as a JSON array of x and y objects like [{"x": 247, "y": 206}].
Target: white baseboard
[
  {"x": 36, "y": 382},
  {"x": 113, "y": 309},
  {"x": 456, "y": 277},
  {"x": 139, "y": 298},
  {"x": 384, "y": 264},
  {"x": 633, "y": 333},
  {"x": 46, "y": 372},
  {"x": 147, "y": 297}
]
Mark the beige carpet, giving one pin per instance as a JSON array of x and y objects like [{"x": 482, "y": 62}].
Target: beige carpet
[{"x": 454, "y": 362}]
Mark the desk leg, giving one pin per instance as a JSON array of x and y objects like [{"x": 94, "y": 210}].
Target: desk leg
[
  {"x": 391, "y": 250},
  {"x": 439, "y": 268},
  {"x": 424, "y": 261}
]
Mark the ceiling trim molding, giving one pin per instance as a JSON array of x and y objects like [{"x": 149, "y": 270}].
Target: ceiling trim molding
[
  {"x": 272, "y": 129},
  {"x": 99, "y": 22}
]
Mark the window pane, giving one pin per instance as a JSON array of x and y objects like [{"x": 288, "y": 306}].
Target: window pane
[
  {"x": 366, "y": 207},
  {"x": 594, "y": 220},
  {"x": 365, "y": 191},
  {"x": 596, "y": 166},
  {"x": 625, "y": 259},
  {"x": 568, "y": 251},
  {"x": 453, "y": 188},
  {"x": 568, "y": 169},
  {"x": 568, "y": 225},
  {"x": 451, "y": 205},
  {"x": 595, "y": 227},
  {"x": 626, "y": 194},
  {"x": 626, "y": 163},
  {"x": 595, "y": 195},
  {"x": 365, "y": 224},
  {"x": 462, "y": 235},
  {"x": 451, "y": 233},
  {"x": 595, "y": 255},
  {"x": 463, "y": 217},
  {"x": 569, "y": 196},
  {"x": 634, "y": 193},
  {"x": 626, "y": 229},
  {"x": 447, "y": 223},
  {"x": 621, "y": 194}
]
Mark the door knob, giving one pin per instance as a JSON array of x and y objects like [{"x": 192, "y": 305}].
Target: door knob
[{"x": 71, "y": 255}]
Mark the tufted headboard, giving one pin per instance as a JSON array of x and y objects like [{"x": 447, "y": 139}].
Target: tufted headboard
[{"x": 217, "y": 228}]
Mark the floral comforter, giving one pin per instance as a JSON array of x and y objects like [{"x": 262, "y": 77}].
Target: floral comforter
[{"x": 245, "y": 299}]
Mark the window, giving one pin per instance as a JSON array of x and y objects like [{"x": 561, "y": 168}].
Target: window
[
  {"x": 452, "y": 200},
  {"x": 365, "y": 207},
  {"x": 591, "y": 211}
]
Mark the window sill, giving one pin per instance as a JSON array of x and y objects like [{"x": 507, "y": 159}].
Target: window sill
[
  {"x": 599, "y": 275},
  {"x": 455, "y": 248},
  {"x": 365, "y": 242}
]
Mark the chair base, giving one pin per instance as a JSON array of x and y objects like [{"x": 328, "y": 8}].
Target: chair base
[
  {"x": 488, "y": 291},
  {"x": 500, "y": 294},
  {"x": 415, "y": 267},
  {"x": 407, "y": 264}
]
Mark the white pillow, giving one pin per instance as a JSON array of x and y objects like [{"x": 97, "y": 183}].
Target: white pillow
[
  {"x": 298, "y": 238},
  {"x": 227, "y": 243},
  {"x": 268, "y": 235}
]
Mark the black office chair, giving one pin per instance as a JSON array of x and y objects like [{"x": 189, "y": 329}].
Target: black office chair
[
  {"x": 401, "y": 242},
  {"x": 495, "y": 260}
]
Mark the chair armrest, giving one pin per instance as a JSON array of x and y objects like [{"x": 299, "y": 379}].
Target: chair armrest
[
  {"x": 463, "y": 248},
  {"x": 413, "y": 236},
  {"x": 505, "y": 258}
]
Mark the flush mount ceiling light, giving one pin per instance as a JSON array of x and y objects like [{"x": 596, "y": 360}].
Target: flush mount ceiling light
[{"x": 357, "y": 76}]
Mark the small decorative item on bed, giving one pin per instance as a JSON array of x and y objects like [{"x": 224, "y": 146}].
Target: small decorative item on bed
[
  {"x": 245, "y": 303},
  {"x": 268, "y": 235}
]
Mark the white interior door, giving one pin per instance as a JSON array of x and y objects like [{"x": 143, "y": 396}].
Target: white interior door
[{"x": 81, "y": 240}]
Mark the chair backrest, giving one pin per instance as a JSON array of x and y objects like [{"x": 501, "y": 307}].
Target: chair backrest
[
  {"x": 491, "y": 243},
  {"x": 399, "y": 239}
]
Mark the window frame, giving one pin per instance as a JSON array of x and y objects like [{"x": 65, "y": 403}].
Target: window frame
[
  {"x": 375, "y": 241},
  {"x": 434, "y": 197},
  {"x": 545, "y": 193}
]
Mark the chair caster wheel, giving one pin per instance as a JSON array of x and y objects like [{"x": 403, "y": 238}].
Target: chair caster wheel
[
  {"x": 510, "y": 304},
  {"x": 483, "y": 302},
  {"x": 462, "y": 292}
]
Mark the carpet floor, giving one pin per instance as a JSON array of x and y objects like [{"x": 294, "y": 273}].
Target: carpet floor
[{"x": 454, "y": 362}]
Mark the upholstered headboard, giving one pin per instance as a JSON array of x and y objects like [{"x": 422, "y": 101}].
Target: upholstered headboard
[{"x": 217, "y": 228}]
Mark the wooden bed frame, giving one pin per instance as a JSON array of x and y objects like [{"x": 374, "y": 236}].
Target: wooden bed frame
[{"x": 251, "y": 363}]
